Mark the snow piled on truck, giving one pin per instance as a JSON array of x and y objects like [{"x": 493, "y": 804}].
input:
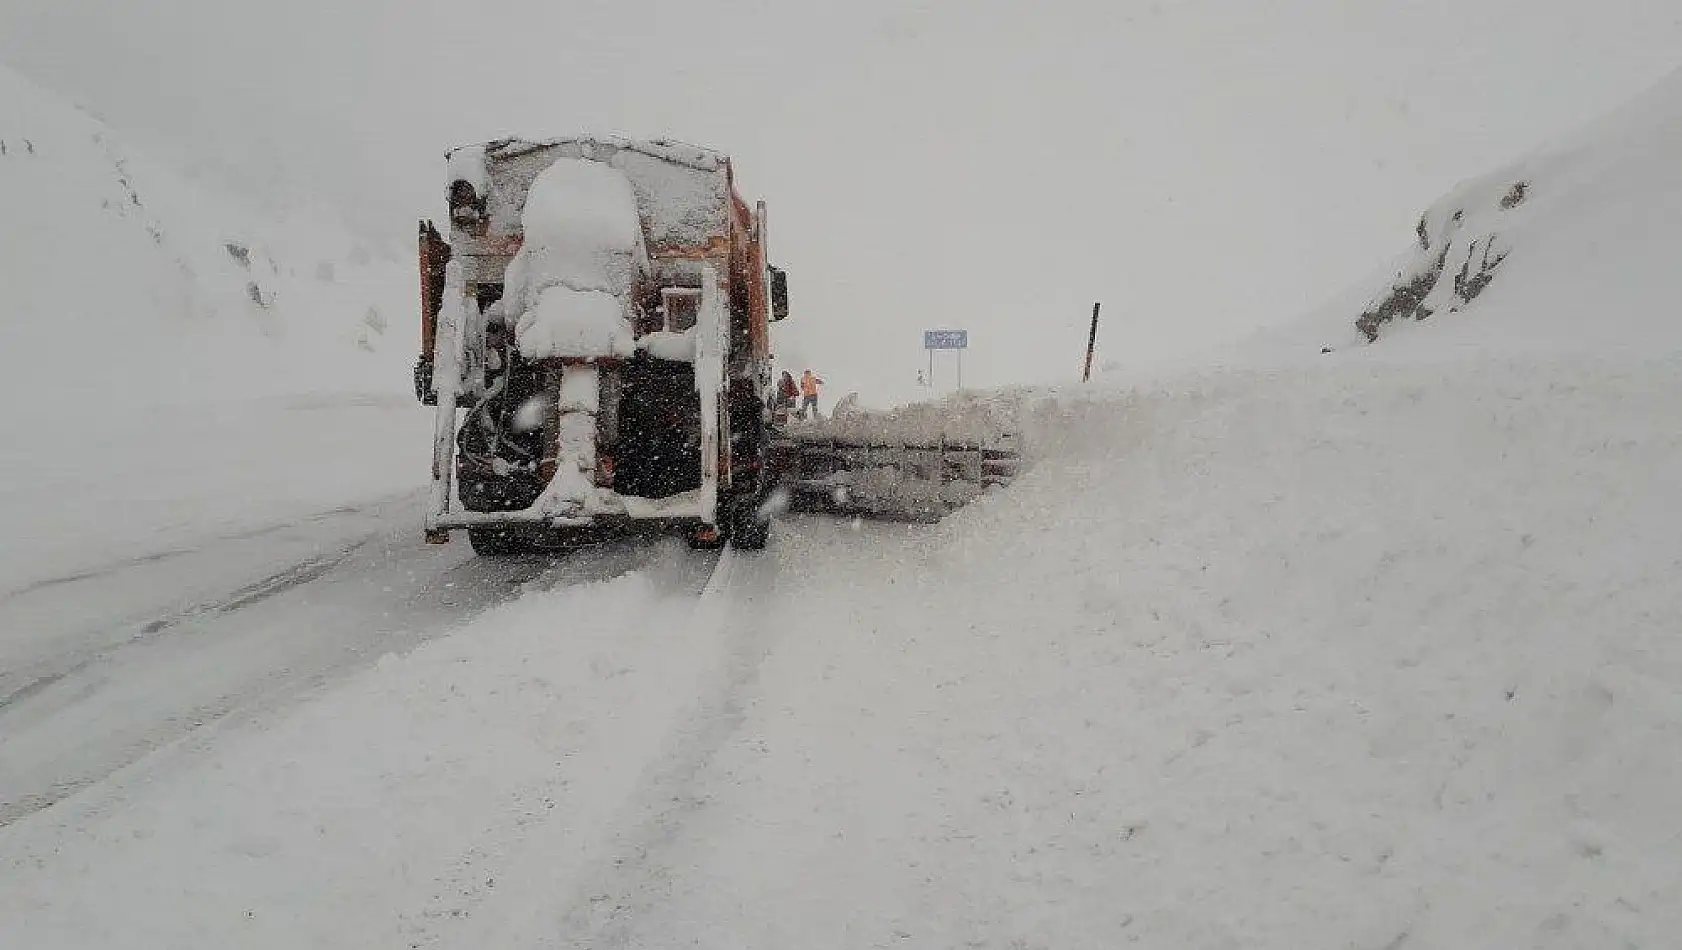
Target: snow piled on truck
[
  {"x": 574, "y": 323},
  {"x": 686, "y": 205},
  {"x": 676, "y": 347},
  {"x": 572, "y": 487},
  {"x": 468, "y": 164},
  {"x": 570, "y": 281},
  {"x": 682, "y": 191}
]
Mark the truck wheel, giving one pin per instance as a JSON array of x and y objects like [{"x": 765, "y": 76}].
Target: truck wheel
[
  {"x": 495, "y": 542},
  {"x": 748, "y": 531}
]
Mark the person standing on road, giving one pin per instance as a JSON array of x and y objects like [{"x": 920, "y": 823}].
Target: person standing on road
[
  {"x": 809, "y": 394},
  {"x": 787, "y": 392}
]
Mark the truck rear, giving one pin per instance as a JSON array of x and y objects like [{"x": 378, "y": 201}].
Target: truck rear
[{"x": 595, "y": 336}]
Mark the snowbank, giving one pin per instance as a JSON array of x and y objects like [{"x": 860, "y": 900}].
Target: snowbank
[
  {"x": 1332, "y": 659},
  {"x": 972, "y": 417}
]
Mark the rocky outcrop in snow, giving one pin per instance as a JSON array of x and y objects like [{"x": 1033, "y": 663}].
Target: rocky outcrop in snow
[
  {"x": 1566, "y": 251},
  {"x": 1460, "y": 247}
]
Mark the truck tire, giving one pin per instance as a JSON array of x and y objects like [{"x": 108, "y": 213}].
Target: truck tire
[
  {"x": 748, "y": 531},
  {"x": 495, "y": 542}
]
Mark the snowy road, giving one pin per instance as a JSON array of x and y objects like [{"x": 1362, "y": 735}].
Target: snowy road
[
  {"x": 1367, "y": 657},
  {"x": 104, "y": 665}
]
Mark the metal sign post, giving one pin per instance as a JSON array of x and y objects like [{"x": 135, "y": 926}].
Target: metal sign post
[
  {"x": 946, "y": 340},
  {"x": 1091, "y": 343}
]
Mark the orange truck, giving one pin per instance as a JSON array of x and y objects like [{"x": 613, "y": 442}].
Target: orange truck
[{"x": 595, "y": 335}]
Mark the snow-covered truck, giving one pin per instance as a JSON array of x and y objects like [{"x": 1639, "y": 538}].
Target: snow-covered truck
[{"x": 595, "y": 336}]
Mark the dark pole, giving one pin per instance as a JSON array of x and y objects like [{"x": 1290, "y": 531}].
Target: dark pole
[{"x": 1091, "y": 343}]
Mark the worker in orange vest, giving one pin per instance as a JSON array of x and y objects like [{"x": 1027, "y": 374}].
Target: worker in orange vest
[{"x": 809, "y": 394}]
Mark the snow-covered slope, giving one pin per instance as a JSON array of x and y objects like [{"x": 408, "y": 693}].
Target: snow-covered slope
[
  {"x": 155, "y": 338},
  {"x": 130, "y": 277},
  {"x": 1571, "y": 250}
]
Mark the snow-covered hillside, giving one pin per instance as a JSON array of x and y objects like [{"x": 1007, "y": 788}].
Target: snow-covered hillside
[
  {"x": 1569, "y": 251},
  {"x": 125, "y": 273},
  {"x": 155, "y": 338}
]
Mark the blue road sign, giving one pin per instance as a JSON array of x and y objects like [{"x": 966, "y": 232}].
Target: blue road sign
[{"x": 945, "y": 339}]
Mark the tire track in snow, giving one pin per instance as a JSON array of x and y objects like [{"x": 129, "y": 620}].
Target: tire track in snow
[
  {"x": 403, "y": 608},
  {"x": 540, "y": 834},
  {"x": 631, "y": 876},
  {"x": 279, "y": 582},
  {"x": 563, "y": 877},
  {"x": 169, "y": 554}
]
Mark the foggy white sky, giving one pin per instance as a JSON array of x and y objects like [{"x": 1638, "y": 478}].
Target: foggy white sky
[{"x": 1199, "y": 166}]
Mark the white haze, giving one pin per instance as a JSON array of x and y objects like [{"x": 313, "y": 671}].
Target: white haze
[{"x": 1201, "y": 167}]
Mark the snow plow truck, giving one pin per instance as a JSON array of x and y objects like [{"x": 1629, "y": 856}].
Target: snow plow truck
[{"x": 595, "y": 336}]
